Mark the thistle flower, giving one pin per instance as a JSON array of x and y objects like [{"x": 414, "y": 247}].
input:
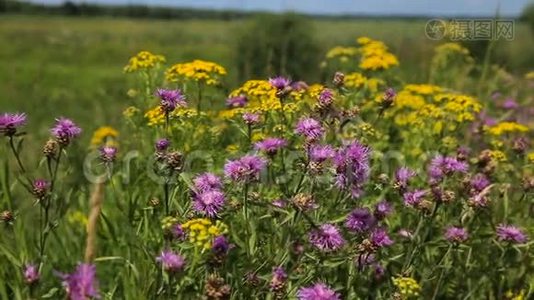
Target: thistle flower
[
  {"x": 352, "y": 167},
  {"x": 170, "y": 99},
  {"x": 413, "y": 198},
  {"x": 299, "y": 86},
  {"x": 209, "y": 203},
  {"x": 108, "y": 154},
  {"x": 326, "y": 98},
  {"x": 510, "y": 104},
  {"x": 40, "y": 188},
  {"x": 271, "y": 145},
  {"x": 65, "y": 130},
  {"x": 310, "y": 128},
  {"x": 162, "y": 145},
  {"x": 251, "y": 118},
  {"x": 278, "y": 280},
  {"x": 171, "y": 261},
  {"x": 321, "y": 153},
  {"x": 382, "y": 210},
  {"x": 360, "y": 220},
  {"x": 279, "y": 83},
  {"x": 220, "y": 245},
  {"x": 10, "y": 122},
  {"x": 478, "y": 183},
  {"x": 31, "y": 274},
  {"x": 339, "y": 79},
  {"x": 177, "y": 232},
  {"x": 511, "y": 233},
  {"x": 326, "y": 238},
  {"x": 245, "y": 169},
  {"x": 380, "y": 238},
  {"x": 441, "y": 166},
  {"x": 318, "y": 291},
  {"x": 237, "y": 101},
  {"x": 82, "y": 283},
  {"x": 387, "y": 99},
  {"x": 456, "y": 234},
  {"x": 207, "y": 182},
  {"x": 402, "y": 177}
]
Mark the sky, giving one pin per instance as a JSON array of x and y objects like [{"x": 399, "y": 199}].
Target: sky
[{"x": 508, "y": 8}]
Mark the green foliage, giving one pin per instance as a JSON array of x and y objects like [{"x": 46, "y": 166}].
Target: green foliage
[
  {"x": 278, "y": 45},
  {"x": 528, "y": 16}
]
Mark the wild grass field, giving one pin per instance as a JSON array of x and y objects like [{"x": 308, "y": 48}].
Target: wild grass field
[{"x": 136, "y": 164}]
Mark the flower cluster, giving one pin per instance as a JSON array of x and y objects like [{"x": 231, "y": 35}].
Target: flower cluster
[
  {"x": 200, "y": 71},
  {"x": 143, "y": 61}
]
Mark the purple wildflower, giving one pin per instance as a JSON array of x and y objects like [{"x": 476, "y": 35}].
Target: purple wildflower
[
  {"x": 271, "y": 145},
  {"x": 511, "y": 233},
  {"x": 237, "y": 101},
  {"x": 81, "y": 284},
  {"x": 403, "y": 176},
  {"x": 177, "y": 232},
  {"x": 162, "y": 144},
  {"x": 352, "y": 167},
  {"x": 326, "y": 98},
  {"x": 246, "y": 168},
  {"x": 31, "y": 274},
  {"x": 509, "y": 104},
  {"x": 209, "y": 203},
  {"x": 280, "y": 203},
  {"x": 380, "y": 238},
  {"x": 220, "y": 245},
  {"x": 251, "y": 118},
  {"x": 171, "y": 261},
  {"x": 456, "y": 234},
  {"x": 441, "y": 166},
  {"x": 65, "y": 130},
  {"x": 326, "y": 238},
  {"x": 279, "y": 83},
  {"x": 382, "y": 209},
  {"x": 310, "y": 128},
  {"x": 207, "y": 182},
  {"x": 320, "y": 153},
  {"x": 108, "y": 154},
  {"x": 478, "y": 183},
  {"x": 279, "y": 279},
  {"x": 40, "y": 187},
  {"x": 9, "y": 122},
  {"x": 170, "y": 99},
  {"x": 318, "y": 291},
  {"x": 299, "y": 86},
  {"x": 360, "y": 220},
  {"x": 413, "y": 198}
]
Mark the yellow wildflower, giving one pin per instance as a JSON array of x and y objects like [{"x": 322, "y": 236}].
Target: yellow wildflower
[
  {"x": 202, "y": 231},
  {"x": 530, "y": 157},
  {"x": 363, "y": 40},
  {"x": 258, "y": 136},
  {"x": 507, "y": 127},
  {"x": 198, "y": 70},
  {"x": 130, "y": 111},
  {"x": 142, "y": 61},
  {"x": 315, "y": 90},
  {"x": 232, "y": 148},
  {"x": 103, "y": 135},
  {"x": 342, "y": 53},
  {"x": 423, "y": 89},
  {"x": 530, "y": 75},
  {"x": 155, "y": 116},
  {"x": 498, "y": 155},
  {"x": 407, "y": 286},
  {"x": 77, "y": 217}
]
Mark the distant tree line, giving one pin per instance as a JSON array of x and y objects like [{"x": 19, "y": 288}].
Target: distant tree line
[{"x": 134, "y": 11}]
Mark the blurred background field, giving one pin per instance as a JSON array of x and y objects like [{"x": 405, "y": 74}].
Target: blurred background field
[{"x": 73, "y": 66}]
